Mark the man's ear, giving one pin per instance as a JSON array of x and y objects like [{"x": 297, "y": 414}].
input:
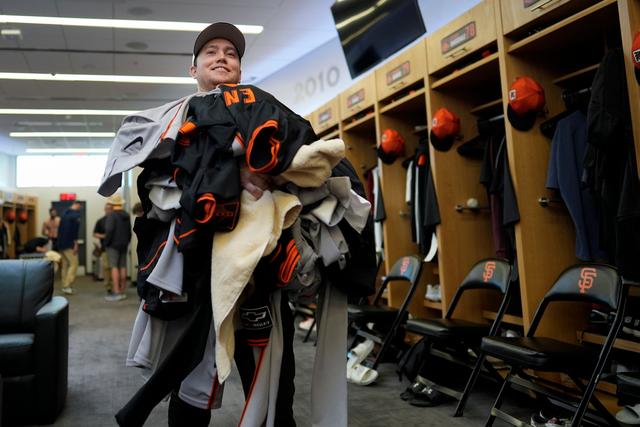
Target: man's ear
[{"x": 192, "y": 71}]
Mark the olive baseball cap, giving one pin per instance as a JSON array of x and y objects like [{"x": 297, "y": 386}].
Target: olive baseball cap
[{"x": 220, "y": 30}]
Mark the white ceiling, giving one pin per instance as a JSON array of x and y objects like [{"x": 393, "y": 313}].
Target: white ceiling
[{"x": 292, "y": 28}]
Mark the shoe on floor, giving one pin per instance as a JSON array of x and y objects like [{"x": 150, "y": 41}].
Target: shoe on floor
[
  {"x": 427, "y": 398},
  {"x": 411, "y": 391},
  {"x": 122, "y": 296},
  {"x": 112, "y": 297},
  {"x": 68, "y": 291},
  {"x": 305, "y": 325},
  {"x": 541, "y": 419}
]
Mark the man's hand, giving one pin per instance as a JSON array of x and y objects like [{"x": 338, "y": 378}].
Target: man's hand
[
  {"x": 254, "y": 183},
  {"x": 75, "y": 248}
]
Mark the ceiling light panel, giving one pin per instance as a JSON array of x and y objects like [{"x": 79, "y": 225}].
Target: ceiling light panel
[
  {"x": 108, "y": 78},
  {"x": 62, "y": 134},
  {"x": 119, "y": 23},
  {"x": 63, "y": 112}
]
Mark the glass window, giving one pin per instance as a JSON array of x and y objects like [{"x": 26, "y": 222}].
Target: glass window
[{"x": 60, "y": 170}]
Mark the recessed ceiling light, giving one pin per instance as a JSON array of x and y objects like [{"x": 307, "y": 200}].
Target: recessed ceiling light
[
  {"x": 98, "y": 78},
  {"x": 11, "y": 33},
  {"x": 62, "y": 134},
  {"x": 120, "y": 23},
  {"x": 137, "y": 45},
  {"x": 63, "y": 112},
  {"x": 67, "y": 150},
  {"x": 139, "y": 11}
]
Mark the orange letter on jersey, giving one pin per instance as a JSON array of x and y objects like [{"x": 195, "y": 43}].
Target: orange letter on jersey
[
  {"x": 249, "y": 97},
  {"x": 231, "y": 97}
]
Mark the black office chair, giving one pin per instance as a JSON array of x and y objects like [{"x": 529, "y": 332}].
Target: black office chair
[
  {"x": 493, "y": 274},
  {"x": 386, "y": 319},
  {"x": 588, "y": 283}
]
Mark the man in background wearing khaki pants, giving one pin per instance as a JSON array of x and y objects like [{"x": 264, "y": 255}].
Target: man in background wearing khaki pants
[{"x": 68, "y": 245}]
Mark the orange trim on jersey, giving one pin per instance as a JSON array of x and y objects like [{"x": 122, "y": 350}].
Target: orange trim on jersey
[
  {"x": 253, "y": 383},
  {"x": 170, "y": 123},
  {"x": 276, "y": 253},
  {"x": 175, "y": 173},
  {"x": 209, "y": 207},
  {"x": 175, "y": 239},
  {"x": 188, "y": 233},
  {"x": 228, "y": 84},
  {"x": 214, "y": 392},
  {"x": 156, "y": 255},
  {"x": 275, "y": 147},
  {"x": 187, "y": 127}
]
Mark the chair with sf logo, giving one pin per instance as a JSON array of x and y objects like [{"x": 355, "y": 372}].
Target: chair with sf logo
[
  {"x": 386, "y": 320},
  {"x": 459, "y": 335},
  {"x": 588, "y": 283}
]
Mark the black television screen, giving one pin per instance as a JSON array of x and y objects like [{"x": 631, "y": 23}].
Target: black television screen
[{"x": 372, "y": 30}]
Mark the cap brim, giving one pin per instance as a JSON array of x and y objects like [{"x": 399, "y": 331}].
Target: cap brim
[
  {"x": 441, "y": 144},
  {"x": 386, "y": 157},
  {"x": 220, "y": 30},
  {"x": 521, "y": 122}
]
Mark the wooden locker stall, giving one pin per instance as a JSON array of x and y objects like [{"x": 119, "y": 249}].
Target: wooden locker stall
[
  {"x": 629, "y": 13},
  {"x": 555, "y": 56},
  {"x": 401, "y": 106},
  {"x": 562, "y": 51},
  {"x": 18, "y": 203},
  {"x": 464, "y": 77},
  {"x": 326, "y": 119},
  {"x": 358, "y": 124}
]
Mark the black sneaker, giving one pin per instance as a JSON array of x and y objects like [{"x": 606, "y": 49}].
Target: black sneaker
[
  {"x": 427, "y": 398},
  {"x": 411, "y": 391}
]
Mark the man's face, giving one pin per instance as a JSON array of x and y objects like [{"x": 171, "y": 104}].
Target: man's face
[
  {"x": 76, "y": 206},
  {"x": 53, "y": 213},
  {"x": 108, "y": 208},
  {"x": 216, "y": 63}
]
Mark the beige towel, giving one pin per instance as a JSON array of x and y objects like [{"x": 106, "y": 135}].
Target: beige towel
[
  {"x": 236, "y": 254},
  {"x": 234, "y": 257},
  {"x": 313, "y": 163}
]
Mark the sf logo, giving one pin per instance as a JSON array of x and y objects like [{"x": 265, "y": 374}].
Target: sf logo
[
  {"x": 587, "y": 275},
  {"x": 489, "y": 268},
  {"x": 405, "y": 265}
]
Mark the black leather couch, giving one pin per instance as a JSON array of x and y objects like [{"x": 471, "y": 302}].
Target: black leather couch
[{"x": 34, "y": 343}]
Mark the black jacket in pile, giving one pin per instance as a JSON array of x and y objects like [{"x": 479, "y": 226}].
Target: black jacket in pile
[{"x": 206, "y": 168}]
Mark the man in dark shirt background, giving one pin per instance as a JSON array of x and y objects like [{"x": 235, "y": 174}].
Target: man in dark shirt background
[
  {"x": 68, "y": 245},
  {"x": 116, "y": 242},
  {"x": 99, "y": 231}
]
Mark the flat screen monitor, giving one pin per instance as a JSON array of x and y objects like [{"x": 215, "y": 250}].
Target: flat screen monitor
[{"x": 372, "y": 30}]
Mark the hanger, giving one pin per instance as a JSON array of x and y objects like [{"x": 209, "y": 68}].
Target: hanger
[{"x": 574, "y": 100}]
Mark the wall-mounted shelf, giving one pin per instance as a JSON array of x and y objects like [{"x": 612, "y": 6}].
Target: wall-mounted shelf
[
  {"x": 484, "y": 69},
  {"x": 362, "y": 124},
  {"x": 582, "y": 74},
  {"x": 620, "y": 343},
  {"x": 567, "y": 31},
  {"x": 411, "y": 102},
  {"x": 507, "y": 318},
  {"x": 486, "y": 107},
  {"x": 434, "y": 305}
]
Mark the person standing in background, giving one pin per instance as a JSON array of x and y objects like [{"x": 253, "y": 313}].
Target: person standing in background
[
  {"x": 99, "y": 231},
  {"x": 50, "y": 228},
  {"x": 116, "y": 242},
  {"x": 68, "y": 245}
]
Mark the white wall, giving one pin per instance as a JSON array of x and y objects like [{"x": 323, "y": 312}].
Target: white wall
[
  {"x": 7, "y": 171},
  {"x": 94, "y": 205},
  {"x": 317, "y": 77}
]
